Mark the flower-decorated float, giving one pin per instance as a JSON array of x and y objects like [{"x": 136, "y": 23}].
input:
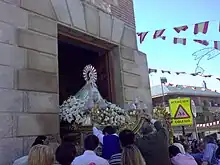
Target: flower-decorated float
[{"x": 78, "y": 113}]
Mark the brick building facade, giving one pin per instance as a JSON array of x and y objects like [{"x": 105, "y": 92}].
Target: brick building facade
[{"x": 29, "y": 77}]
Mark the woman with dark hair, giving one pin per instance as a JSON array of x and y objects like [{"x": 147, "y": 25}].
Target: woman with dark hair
[
  {"x": 126, "y": 138},
  {"x": 65, "y": 153},
  {"x": 177, "y": 158}
]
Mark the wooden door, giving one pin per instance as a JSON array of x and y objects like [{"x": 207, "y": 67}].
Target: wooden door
[{"x": 105, "y": 77}]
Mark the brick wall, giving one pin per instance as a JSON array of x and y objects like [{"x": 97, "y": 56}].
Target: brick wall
[
  {"x": 121, "y": 9},
  {"x": 124, "y": 11}
]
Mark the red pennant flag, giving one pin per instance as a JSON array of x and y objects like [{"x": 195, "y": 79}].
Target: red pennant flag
[
  {"x": 201, "y": 27},
  {"x": 179, "y": 41},
  {"x": 165, "y": 71},
  {"x": 217, "y": 45},
  {"x": 152, "y": 70},
  {"x": 181, "y": 28},
  {"x": 206, "y": 75},
  {"x": 178, "y": 73},
  {"x": 159, "y": 33},
  {"x": 203, "y": 42},
  {"x": 142, "y": 36}
]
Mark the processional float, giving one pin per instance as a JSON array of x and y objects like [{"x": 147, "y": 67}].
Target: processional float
[{"x": 88, "y": 107}]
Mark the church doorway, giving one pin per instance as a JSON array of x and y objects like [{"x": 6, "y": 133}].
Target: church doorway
[
  {"x": 73, "y": 56},
  {"x": 74, "y": 53}
]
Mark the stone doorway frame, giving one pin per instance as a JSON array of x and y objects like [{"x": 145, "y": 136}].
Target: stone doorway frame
[{"x": 77, "y": 36}]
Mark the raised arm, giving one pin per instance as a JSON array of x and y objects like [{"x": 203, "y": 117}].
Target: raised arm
[
  {"x": 98, "y": 133},
  {"x": 161, "y": 131}
]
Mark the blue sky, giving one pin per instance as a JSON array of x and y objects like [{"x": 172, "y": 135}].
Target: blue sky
[{"x": 154, "y": 15}]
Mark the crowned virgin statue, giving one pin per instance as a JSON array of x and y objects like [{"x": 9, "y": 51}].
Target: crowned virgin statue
[{"x": 88, "y": 107}]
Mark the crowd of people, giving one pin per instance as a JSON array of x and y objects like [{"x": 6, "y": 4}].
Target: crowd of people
[{"x": 152, "y": 148}]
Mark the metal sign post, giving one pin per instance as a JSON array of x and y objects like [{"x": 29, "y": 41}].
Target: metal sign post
[{"x": 193, "y": 108}]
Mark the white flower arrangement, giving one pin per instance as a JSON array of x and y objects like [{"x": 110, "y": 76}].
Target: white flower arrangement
[
  {"x": 111, "y": 115},
  {"x": 73, "y": 110}
]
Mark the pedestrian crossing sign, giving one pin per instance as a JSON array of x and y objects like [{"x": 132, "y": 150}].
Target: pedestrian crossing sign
[{"x": 181, "y": 113}]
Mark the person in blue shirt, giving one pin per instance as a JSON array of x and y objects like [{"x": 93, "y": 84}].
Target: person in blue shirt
[
  {"x": 209, "y": 156},
  {"x": 109, "y": 140}
]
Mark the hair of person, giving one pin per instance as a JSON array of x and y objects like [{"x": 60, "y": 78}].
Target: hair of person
[
  {"x": 174, "y": 150},
  {"x": 39, "y": 140},
  {"x": 91, "y": 142},
  {"x": 65, "y": 153},
  {"x": 211, "y": 139},
  {"x": 132, "y": 156},
  {"x": 67, "y": 139},
  {"x": 40, "y": 155},
  {"x": 109, "y": 130},
  {"x": 175, "y": 140},
  {"x": 126, "y": 137},
  {"x": 146, "y": 129}
]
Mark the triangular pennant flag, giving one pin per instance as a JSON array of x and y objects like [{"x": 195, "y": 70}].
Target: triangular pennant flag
[
  {"x": 217, "y": 45},
  {"x": 178, "y": 73},
  {"x": 165, "y": 71},
  {"x": 207, "y": 76},
  {"x": 152, "y": 70},
  {"x": 181, "y": 28},
  {"x": 203, "y": 42},
  {"x": 179, "y": 41},
  {"x": 142, "y": 36},
  {"x": 193, "y": 74},
  {"x": 201, "y": 27},
  {"x": 218, "y": 79},
  {"x": 159, "y": 33}
]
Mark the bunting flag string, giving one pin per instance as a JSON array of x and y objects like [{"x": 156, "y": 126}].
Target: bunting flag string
[
  {"x": 183, "y": 41},
  {"x": 191, "y": 87},
  {"x": 150, "y": 70},
  {"x": 215, "y": 123},
  {"x": 201, "y": 27}
]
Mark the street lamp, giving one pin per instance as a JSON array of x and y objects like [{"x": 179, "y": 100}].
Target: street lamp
[{"x": 163, "y": 80}]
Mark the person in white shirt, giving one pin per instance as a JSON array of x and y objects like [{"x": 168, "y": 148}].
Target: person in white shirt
[
  {"x": 89, "y": 157},
  {"x": 180, "y": 146},
  {"x": 109, "y": 140}
]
